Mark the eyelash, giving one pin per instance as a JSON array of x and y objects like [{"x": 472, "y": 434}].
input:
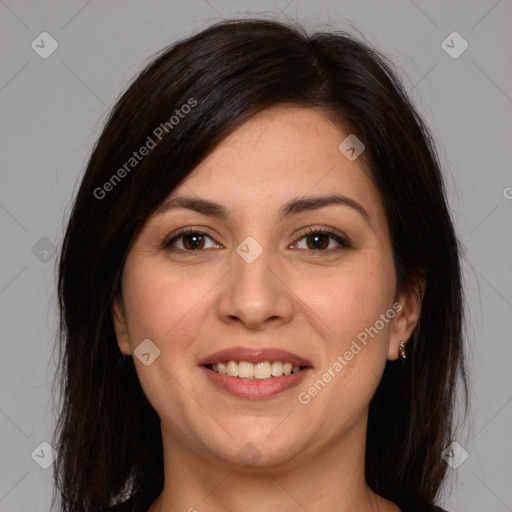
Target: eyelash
[{"x": 341, "y": 240}]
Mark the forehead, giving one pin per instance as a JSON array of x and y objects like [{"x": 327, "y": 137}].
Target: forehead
[
  {"x": 278, "y": 154},
  {"x": 290, "y": 140}
]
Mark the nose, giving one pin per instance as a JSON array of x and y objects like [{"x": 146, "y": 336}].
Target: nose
[{"x": 255, "y": 294}]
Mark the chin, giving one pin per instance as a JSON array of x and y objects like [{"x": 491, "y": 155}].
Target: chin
[{"x": 255, "y": 448}]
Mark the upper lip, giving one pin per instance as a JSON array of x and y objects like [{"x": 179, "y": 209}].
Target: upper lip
[{"x": 254, "y": 355}]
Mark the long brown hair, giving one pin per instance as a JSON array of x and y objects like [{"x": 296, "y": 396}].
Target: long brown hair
[{"x": 108, "y": 436}]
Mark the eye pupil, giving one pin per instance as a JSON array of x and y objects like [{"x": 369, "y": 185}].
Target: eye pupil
[
  {"x": 319, "y": 241},
  {"x": 197, "y": 241}
]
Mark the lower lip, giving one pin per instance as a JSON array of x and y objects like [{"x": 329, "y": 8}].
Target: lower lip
[{"x": 255, "y": 389}]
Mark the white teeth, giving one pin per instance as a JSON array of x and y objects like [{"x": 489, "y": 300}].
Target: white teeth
[
  {"x": 245, "y": 370},
  {"x": 232, "y": 369},
  {"x": 262, "y": 370},
  {"x": 277, "y": 368}
]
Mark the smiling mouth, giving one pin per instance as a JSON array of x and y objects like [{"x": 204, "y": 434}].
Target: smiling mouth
[{"x": 261, "y": 371}]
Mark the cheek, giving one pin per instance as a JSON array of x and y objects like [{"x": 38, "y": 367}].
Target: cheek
[
  {"x": 160, "y": 303},
  {"x": 165, "y": 308},
  {"x": 353, "y": 313},
  {"x": 346, "y": 302}
]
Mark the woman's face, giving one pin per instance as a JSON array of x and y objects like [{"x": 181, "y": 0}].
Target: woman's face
[{"x": 291, "y": 267}]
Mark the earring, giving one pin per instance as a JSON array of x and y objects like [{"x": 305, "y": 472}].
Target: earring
[{"x": 401, "y": 352}]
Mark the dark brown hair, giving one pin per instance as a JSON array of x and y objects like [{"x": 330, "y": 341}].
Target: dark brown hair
[{"x": 108, "y": 436}]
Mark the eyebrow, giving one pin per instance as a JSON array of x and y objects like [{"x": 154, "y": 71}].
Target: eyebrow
[{"x": 293, "y": 207}]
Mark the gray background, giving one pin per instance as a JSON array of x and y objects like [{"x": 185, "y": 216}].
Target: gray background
[{"x": 53, "y": 109}]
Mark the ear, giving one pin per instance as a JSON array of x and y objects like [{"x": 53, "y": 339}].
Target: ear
[
  {"x": 408, "y": 309},
  {"x": 120, "y": 325}
]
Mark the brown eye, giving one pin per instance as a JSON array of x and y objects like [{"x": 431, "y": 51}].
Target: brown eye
[
  {"x": 323, "y": 241},
  {"x": 190, "y": 241},
  {"x": 194, "y": 241},
  {"x": 318, "y": 241}
]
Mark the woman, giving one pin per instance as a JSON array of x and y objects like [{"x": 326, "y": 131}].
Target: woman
[{"x": 260, "y": 291}]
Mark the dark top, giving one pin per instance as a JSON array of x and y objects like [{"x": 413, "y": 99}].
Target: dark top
[{"x": 128, "y": 506}]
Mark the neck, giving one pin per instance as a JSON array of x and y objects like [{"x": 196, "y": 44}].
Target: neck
[{"x": 330, "y": 479}]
